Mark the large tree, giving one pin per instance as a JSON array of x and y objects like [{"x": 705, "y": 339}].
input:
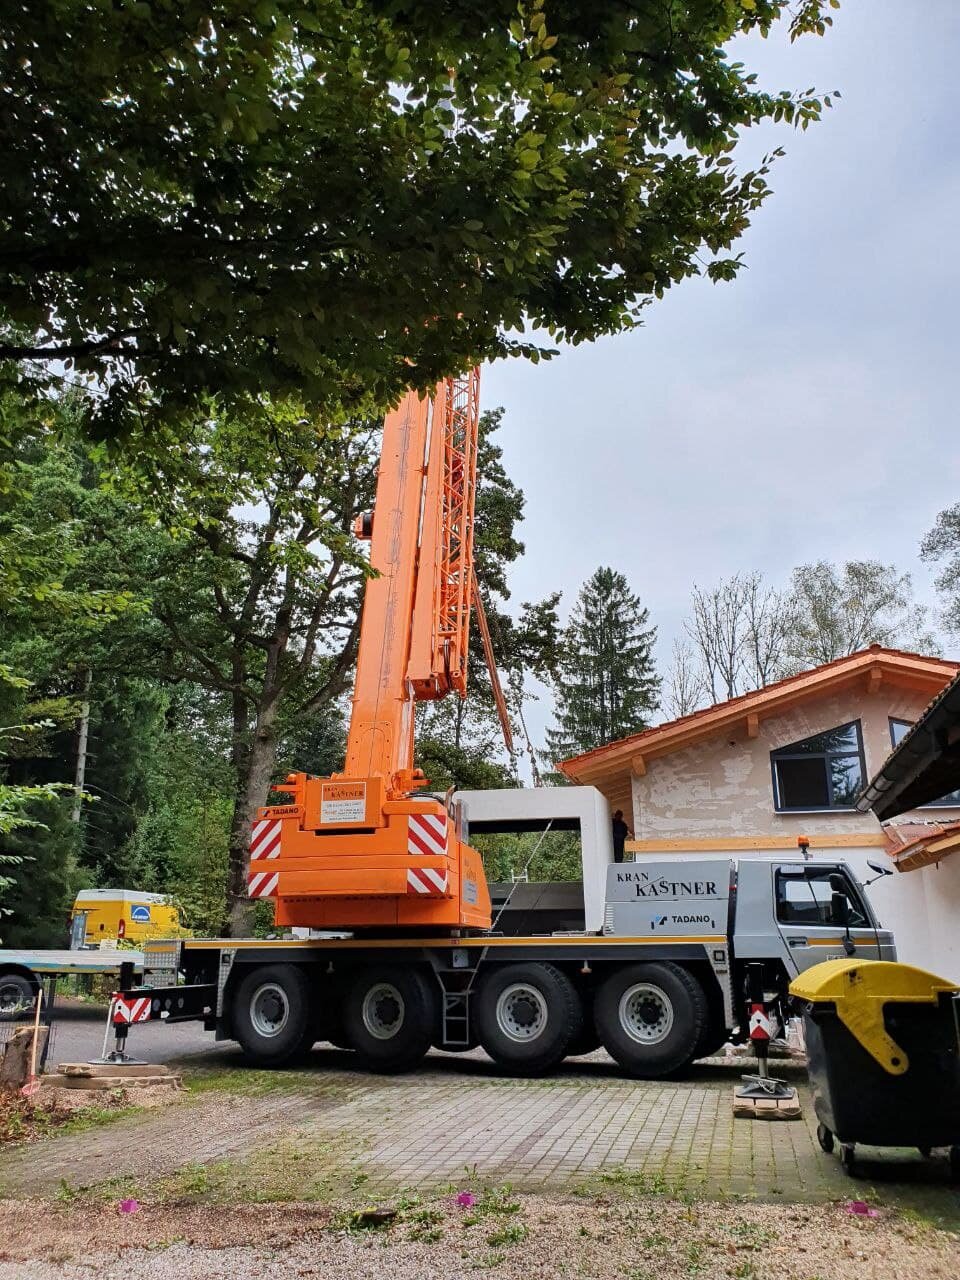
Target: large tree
[
  {"x": 741, "y": 633},
  {"x": 607, "y": 686},
  {"x": 941, "y": 546},
  {"x": 838, "y": 609},
  {"x": 335, "y": 198}
]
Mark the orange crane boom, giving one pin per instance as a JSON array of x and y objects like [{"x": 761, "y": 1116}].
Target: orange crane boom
[{"x": 361, "y": 848}]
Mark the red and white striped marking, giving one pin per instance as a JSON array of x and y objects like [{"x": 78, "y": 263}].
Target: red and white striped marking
[
  {"x": 131, "y": 1009},
  {"x": 761, "y": 1024},
  {"x": 262, "y": 884},
  {"x": 427, "y": 834},
  {"x": 426, "y": 882},
  {"x": 265, "y": 841}
]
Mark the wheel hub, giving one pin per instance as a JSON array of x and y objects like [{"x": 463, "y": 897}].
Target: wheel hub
[
  {"x": 269, "y": 1009},
  {"x": 383, "y": 1011},
  {"x": 646, "y": 1013},
  {"x": 521, "y": 1013}
]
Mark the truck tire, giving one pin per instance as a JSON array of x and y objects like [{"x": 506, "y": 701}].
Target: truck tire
[
  {"x": 390, "y": 1017},
  {"x": 528, "y": 1015},
  {"x": 17, "y": 996},
  {"x": 586, "y": 1042},
  {"x": 651, "y": 1018},
  {"x": 714, "y": 1035},
  {"x": 272, "y": 1014}
]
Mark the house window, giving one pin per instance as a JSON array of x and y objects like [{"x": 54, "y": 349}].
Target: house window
[
  {"x": 822, "y": 772},
  {"x": 898, "y": 731}
]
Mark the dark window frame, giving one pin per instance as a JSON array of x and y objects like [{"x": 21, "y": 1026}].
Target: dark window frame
[
  {"x": 943, "y": 802},
  {"x": 784, "y": 753}
]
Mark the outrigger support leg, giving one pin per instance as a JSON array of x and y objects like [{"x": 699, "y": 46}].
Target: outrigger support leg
[
  {"x": 762, "y": 1084},
  {"x": 118, "y": 1021}
]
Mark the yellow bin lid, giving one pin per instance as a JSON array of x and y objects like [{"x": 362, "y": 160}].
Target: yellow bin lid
[{"x": 860, "y": 989}]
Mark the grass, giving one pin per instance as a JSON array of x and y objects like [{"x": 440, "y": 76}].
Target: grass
[
  {"x": 23, "y": 1118},
  {"x": 246, "y": 1081}
]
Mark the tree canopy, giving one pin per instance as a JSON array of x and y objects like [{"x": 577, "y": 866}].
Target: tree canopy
[
  {"x": 337, "y": 198},
  {"x": 608, "y": 686}
]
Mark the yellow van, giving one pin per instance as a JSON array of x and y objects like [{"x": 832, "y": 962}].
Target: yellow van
[{"x": 105, "y": 915}]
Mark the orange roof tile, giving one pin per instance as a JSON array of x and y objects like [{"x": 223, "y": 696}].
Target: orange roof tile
[{"x": 896, "y": 666}]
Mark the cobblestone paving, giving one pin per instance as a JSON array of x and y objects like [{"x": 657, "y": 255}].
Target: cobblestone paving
[
  {"x": 456, "y": 1122},
  {"x": 587, "y": 1130}
]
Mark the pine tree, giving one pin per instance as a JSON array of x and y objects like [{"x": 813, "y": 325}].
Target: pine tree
[{"x": 608, "y": 685}]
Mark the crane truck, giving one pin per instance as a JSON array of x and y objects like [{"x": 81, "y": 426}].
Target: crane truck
[{"x": 406, "y": 948}]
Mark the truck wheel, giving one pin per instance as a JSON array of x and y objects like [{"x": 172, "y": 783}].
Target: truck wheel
[
  {"x": 390, "y": 1017},
  {"x": 714, "y": 1036},
  {"x": 17, "y": 996},
  {"x": 651, "y": 1018},
  {"x": 272, "y": 1015},
  {"x": 528, "y": 1015}
]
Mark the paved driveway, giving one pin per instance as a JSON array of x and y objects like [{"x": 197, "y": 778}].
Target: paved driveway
[{"x": 324, "y": 1132}]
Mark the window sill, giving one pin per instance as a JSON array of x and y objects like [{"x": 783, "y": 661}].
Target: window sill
[{"x": 792, "y": 813}]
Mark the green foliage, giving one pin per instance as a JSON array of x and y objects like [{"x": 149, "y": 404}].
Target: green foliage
[
  {"x": 47, "y": 877},
  {"x": 837, "y": 610},
  {"x": 554, "y": 855},
  {"x": 608, "y": 685},
  {"x": 301, "y": 198},
  {"x": 941, "y": 546}
]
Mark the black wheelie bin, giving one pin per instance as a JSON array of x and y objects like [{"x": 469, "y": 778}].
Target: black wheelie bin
[{"x": 883, "y": 1042}]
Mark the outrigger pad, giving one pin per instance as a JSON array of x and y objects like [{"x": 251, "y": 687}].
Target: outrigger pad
[
  {"x": 764, "y": 1086},
  {"x": 766, "y": 1108}
]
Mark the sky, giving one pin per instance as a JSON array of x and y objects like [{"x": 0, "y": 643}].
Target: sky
[{"x": 805, "y": 411}]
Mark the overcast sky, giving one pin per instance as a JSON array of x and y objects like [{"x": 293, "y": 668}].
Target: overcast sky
[{"x": 806, "y": 410}]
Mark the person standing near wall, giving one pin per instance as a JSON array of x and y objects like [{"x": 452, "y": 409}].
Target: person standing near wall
[{"x": 620, "y": 833}]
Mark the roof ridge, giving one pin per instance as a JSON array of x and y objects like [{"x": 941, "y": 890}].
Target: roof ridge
[{"x": 857, "y": 656}]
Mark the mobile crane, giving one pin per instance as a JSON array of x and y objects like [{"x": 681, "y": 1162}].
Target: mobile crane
[
  {"x": 658, "y": 961},
  {"x": 360, "y": 849}
]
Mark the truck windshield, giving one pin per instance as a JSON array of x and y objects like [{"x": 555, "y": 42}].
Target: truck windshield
[{"x": 805, "y": 897}]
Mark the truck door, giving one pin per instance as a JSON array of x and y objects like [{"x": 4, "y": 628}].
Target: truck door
[{"x": 821, "y": 915}]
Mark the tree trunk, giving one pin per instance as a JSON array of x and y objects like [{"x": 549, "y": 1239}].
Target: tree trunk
[
  {"x": 253, "y": 786},
  {"x": 80, "y": 773}
]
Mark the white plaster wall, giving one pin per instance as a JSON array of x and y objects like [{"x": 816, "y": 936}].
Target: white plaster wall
[{"x": 723, "y": 787}]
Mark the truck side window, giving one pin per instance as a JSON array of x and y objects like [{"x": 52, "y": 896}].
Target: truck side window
[{"x": 805, "y": 897}]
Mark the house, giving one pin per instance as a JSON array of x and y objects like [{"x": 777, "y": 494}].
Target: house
[{"x": 754, "y": 773}]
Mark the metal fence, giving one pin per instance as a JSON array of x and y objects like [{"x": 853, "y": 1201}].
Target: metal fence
[{"x": 13, "y": 1019}]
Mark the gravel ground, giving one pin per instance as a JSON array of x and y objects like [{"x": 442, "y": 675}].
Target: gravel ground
[{"x": 515, "y": 1239}]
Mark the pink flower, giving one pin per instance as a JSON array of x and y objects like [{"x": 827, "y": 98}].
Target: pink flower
[
  {"x": 466, "y": 1199},
  {"x": 129, "y": 1206},
  {"x": 861, "y": 1209}
]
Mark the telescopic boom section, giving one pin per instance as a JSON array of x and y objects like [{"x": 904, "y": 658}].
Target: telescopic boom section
[
  {"x": 360, "y": 848},
  {"x": 416, "y": 611}
]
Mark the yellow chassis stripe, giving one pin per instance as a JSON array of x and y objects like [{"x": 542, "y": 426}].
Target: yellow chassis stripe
[{"x": 240, "y": 944}]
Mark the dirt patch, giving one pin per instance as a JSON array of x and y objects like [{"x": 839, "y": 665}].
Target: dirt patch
[
  {"x": 206, "y": 1129},
  {"x": 512, "y": 1238},
  {"x": 29, "y": 1119}
]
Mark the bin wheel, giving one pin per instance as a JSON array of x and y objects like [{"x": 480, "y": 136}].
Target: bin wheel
[
  {"x": 847, "y": 1158},
  {"x": 825, "y": 1138},
  {"x": 955, "y": 1164}
]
